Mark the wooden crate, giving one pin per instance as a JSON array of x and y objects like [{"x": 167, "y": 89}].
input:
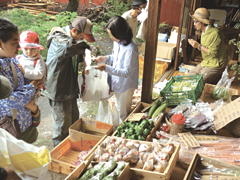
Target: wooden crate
[
  {"x": 125, "y": 174},
  {"x": 141, "y": 106},
  {"x": 63, "y": 156},
  {"x": 140, "y": 174},
  {"x": 211, "y": 161},
  {"x": 208, "y": 88}
]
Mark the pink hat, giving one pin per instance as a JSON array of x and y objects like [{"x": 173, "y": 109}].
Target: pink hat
[{"x": 30, "y": 39}]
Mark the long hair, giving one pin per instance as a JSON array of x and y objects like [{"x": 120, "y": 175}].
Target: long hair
[
  {"x": 6, "y": 29},
  {"x": 120, "y": 29}
]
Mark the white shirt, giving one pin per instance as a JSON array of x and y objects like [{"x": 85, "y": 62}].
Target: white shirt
[
  {"x": 31, "y": 72},
  {"x": 132, "y": 23}
]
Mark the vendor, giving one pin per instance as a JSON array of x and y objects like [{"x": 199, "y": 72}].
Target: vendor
[{"x": 212, "y": 47}]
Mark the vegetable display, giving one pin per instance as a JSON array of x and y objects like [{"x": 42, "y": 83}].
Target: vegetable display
[
  {"x": 138, "y": 130},
  {"x": 183, "y": 86},
  {"x": 148, "y": 156},
  {"x": 156, "y": 104}
]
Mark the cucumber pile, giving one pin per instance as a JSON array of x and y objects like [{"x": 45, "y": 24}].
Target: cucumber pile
[{"x": 157, "y": 108}]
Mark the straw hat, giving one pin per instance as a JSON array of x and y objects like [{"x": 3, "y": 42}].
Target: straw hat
[{"x": 202, "y": 15}]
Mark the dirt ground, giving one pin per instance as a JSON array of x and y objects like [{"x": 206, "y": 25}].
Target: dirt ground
[{"x": 87, "y": 109}]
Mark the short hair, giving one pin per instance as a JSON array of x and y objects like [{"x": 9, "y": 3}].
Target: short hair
[
  {"x": 71, "y": 27},
  {"x": 135, "y": 6},
  {"x": 120, "y": 29},
  {"x": 6, "y": 29}
]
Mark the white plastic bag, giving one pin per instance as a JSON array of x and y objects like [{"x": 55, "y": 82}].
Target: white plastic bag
[
  {"x": 112, "y": 116},
  {"x": 101, "y": 114},
  {"x": 96, "y": 86},
  {"x": 27, "y": 160}
]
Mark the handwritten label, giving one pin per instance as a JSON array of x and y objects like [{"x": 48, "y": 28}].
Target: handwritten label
[
  {"x": 206, "y": 138},
  {"x": 100, "y": 125},
  {"x": 227, "y": 114},
  {"x": 189, "y": 140},
  {"x": 136, "y": 116},
  {"x": 217, "y": 177}
]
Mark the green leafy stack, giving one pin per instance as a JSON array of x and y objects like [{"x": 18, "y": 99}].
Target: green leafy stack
[{"x": 236, "y": 69}]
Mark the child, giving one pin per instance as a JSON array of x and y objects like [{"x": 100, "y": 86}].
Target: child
[
  {"x": 28, "y": 113},
  {"x": 31, "y": 62}
]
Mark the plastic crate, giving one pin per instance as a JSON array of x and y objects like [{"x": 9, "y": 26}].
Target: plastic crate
[
  {"x": 176, "y": 97},
  {"x": 160, "y": 68}
]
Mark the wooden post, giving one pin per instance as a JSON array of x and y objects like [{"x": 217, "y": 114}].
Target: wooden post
[{"x": 150, "y": 49}]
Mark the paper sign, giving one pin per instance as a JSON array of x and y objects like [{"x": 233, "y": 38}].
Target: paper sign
[
  {"x": 189, "y": 140},
  {"x": 206, "y": 138},
  {"x": 136, "y": 116},
  {"x": 227, "y": 114},
  {"x": 217, "y": 177}
]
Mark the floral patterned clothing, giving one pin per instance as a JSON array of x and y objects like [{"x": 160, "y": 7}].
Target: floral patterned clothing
[{"x": 19, "y": 97}]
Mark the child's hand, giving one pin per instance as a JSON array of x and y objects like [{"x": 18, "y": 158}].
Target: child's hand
[{"x": 21, "y": 68}]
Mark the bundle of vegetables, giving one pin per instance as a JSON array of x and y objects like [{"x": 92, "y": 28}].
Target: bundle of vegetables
[
  {"x": 106, "y": 171},
  {"x": 148, "y": 156},
  {"x": 156, "y": 109},
  {"x": 183, "y": 85},
  {"x": 224, "y": 149},
  {"x": 236, "y": 69},
  {"x": 138, "y": 130}
]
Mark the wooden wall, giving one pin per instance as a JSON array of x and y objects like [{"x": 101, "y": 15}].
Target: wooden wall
[{"x": 170, "y": 12}]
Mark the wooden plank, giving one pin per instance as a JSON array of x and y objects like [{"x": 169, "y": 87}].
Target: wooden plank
[
  {"x": 42, "y": 10},
  {"x": 184, "y": 50},
  {"x": 150, "y": 50}
]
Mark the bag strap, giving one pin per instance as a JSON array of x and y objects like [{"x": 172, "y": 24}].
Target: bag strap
[{"x": 15, "y": 80}]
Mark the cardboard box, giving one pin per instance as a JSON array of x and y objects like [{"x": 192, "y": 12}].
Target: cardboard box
[
  {"x": 138, "y": 174},
  {"x": 63, "y": 155},
  {"x": 124, "y": 175},
  {"x": 141, "y": 106},
  {"x": 164, "y": 50},
  {"x": 196, "y": 162},
  {"x": 93, "y": 132},
  {"x": 206, "y": 93}
]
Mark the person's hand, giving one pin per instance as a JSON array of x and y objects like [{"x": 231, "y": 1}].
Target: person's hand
[
  {"x": 101, "y": 67},
  {"x": 101, "y": 59},
  {"x": 32, "y": 107},
  {"x": 193, "y": 43},
  {"x": 37, "y": 83},
  {"x": 21, "y": 68}
]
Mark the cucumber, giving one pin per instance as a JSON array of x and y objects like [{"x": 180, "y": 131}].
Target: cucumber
[
  {"x": 160, "y": 109},
  {"x": 155, "y": 105}
]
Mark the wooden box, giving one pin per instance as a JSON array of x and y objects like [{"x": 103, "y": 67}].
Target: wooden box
[
  {"x": 208, "y": 88},
  {"x": 125, "y": 174},
  {"x": 197, "y": 158},
  {"x": 138, "y": 174},
  {"x": 63, "y": 156},
  {"x": 141, "y": 107}
]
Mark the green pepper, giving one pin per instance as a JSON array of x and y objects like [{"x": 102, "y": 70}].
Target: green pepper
[
  {"x": 139, "y": 130},
  {"x": 141, "y": 138},
  {"x": 146, "y": 132},
  {"x": 144, "y": 123},
  {"x": 151, "y": 124},
  {"x": 119, "y": 129},
  {"x": 132, "y": 137},
  {"x": 118, "y": 135},
  {"x": 123, "y": 125},
  {"x": 130, "y": 131}
]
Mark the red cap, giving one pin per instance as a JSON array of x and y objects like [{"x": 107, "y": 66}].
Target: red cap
[
  {"x": 30, "y": 39},
  {"x": 178, "y": 118}
]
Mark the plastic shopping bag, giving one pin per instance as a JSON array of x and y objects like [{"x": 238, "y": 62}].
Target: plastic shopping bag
[
  {"x": 27, "y": 160},
  {"x": 96, "y": 87},
  {"x": 221, "y": 90}
]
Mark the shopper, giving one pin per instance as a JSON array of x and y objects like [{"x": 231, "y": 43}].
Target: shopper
[
  {"x": 20, "y": 98},
  {"x": 125, "y": 64},
  {"x": 31, "y": 62},
  {"x": 212, "y": 47},
  {"x": 131, "y": 15},
  {"x": 65, "y": 50}
]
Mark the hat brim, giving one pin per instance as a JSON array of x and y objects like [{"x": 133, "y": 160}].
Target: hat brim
[
  {"x": 5, "y": 87},
  {"x": 205, "y": 21},
  {"x": 88, "y": 37},
  {"x": 139, "y": 3}
]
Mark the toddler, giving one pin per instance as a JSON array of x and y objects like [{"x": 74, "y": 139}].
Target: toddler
[{"x": 31, "y": 62}]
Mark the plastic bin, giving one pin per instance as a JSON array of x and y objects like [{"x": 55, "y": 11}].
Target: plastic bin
[
  {"x": 160, "y": 68},
  {"x": 176, "y": 97}
]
